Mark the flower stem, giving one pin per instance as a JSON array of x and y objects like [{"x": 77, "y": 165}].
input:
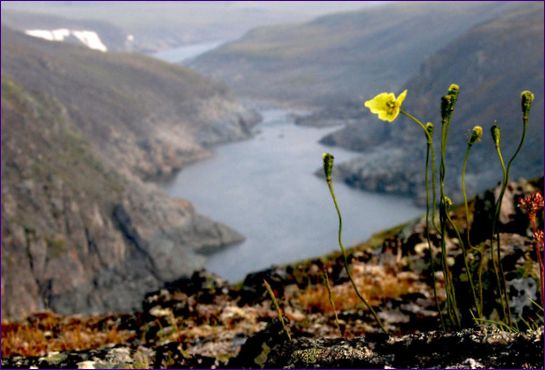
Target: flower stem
[
  {"x": 432, "y": 150},
  {"x": 500, "y": 277},
  {"x": 429, "y": 147},
  {"x": 468, "y": 271},
  {"x": 495, "y": 229},
  {"x": 414, "y": 119},
  {"x": 345, "y": 258},
  {"x": 447, "y": 107},
  {"x": 468, "y": 241}
]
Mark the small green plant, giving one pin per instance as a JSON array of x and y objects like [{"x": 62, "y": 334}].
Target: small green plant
[
  {"x": 388, "y": 108},
  {"x": 328, "y": 170},
  {"x": 475, "y": 137}
]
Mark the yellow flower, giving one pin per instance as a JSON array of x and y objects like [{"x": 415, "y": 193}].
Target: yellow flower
[{"x": 386, "y": 105}]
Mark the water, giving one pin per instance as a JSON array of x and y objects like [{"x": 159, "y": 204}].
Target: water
[
  {"x": 266, "y": 189},
  {"x": 186, "y": 52}
]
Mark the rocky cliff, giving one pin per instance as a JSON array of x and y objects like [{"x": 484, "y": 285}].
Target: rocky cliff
[{"x": 81, "y": 231}]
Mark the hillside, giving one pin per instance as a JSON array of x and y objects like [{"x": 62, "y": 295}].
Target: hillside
[
  {"x": 148, "y": 117},
  {"x": 180, "y": 23},
  {"x": 492, "y": 63},
  {"x": 81, "y": 232},
  {"x": 337, "y": 59},
  {"x": 112, "y": 37}
]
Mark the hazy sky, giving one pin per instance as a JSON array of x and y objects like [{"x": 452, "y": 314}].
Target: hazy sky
[{"x": 189, "y": 21}]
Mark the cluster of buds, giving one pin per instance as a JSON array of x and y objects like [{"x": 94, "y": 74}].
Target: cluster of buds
[
  {"x": 449, "y": 101},
  {"x": 532, "y": 203}
]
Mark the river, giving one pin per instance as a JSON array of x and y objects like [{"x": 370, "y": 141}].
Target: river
[
  {"x": 266, "y": 189},
  {"x": 186, "y": 52}
]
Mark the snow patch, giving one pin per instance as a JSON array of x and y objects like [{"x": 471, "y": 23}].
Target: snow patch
[{"x": 88, "y": 38}]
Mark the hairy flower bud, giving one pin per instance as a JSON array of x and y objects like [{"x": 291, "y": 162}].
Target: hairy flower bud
[
  {"x": 429, "y": 128},
  {"x": 429, "y": 131},
  {"x": 453, "y": 90},
  {"x": 527, "y": 98},
  {"x": 449, "y": 101},
  {"x": 446, "y": 104},
  {"x": 476, "y": 135},
  {"x": 328, "y": 165},
  {"x": 495, "y": 130}
]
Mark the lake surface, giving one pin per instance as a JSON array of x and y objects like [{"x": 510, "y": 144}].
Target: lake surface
[
  {"x": 266, "y": 189},
  {"x": 186, "y": 52}
]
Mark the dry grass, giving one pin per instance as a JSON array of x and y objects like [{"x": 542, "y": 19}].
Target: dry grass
[
  {"x": 47, "y": 332},
  {"x": 375, "y": 283}
]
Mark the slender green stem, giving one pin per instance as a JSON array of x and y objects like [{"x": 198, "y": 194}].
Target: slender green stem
[
  {"x": 480, "y": 277},
  {"x": 468, "y": 271},
  {"x": 466, "y": 205},
  {"x": 345, "y": 258},
  {"x": 415, "y": 120},
  {"x": 430, "y": 143},
  {"x": 449, "y": 287},
  {"x": 468, "y": 241},
  {"x": 495, "y": 230},
  {"x": 428, "y": 147},
  {"x": 433, "y": 187},
  {"x": 451, "y": 293},
  {"x": 442, "y": 231},
  {"x": 502, "y": 286}
]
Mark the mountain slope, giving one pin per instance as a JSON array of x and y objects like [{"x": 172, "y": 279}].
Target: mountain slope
[
  {"x": 339, "y": 58},
  {"x": 181, "y": 23},
  {"x": 492, "y": 63},
  {"x": 81, "y": 232},
  {"x": 149, "y": 117},
  {"x": 113, "y": 38}
]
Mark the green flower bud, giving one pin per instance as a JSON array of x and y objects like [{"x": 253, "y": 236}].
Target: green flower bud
[
  {"x": 495, "y": 130},
  {"x": 446, "y": 104},
  {"x": 429, "y": 128},
  {"x": 429, "y": 131},
  {"x": 476, "y": 135},
  {"x": 447, "y": 202},
  {"x": 328, "y": 165},
  {"x": 527, "y": 98},
  {"x": 453, "y": 90},
  {"x": 449, "y": 101}
]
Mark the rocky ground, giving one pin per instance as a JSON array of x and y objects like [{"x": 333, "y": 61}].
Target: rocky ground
[{"x": 202, "y": 321}]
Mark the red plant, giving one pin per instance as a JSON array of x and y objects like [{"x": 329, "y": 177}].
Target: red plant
[{"x": 533, "y": 203}]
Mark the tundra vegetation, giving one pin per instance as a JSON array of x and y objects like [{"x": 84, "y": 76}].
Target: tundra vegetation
[{"x": 482, "y": 271}]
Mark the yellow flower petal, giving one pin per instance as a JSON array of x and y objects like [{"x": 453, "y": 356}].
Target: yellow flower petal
[
  {"x": 401, "y": 98},
  {"x": 379, "y": 103},
  {"x": 386, "y": 106}
]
